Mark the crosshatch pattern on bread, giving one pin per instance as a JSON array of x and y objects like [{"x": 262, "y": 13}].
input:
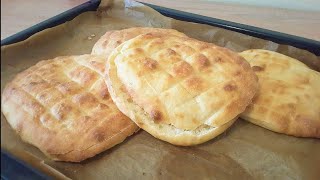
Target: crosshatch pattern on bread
[
  {"x": 62, "y": 106},
  {"x": 179, "y": 89},
  {"x": 289, "y": 97},
  {"x": 112, "y": 39}
]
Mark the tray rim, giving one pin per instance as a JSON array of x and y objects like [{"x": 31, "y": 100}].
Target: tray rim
[
  {"x": 56, "y": 20},
  {"x": 310, "y": 45},
  {"x": 12, "y": 160}
]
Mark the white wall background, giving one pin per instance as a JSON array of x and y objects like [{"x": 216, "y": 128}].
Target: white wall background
[{"x": 309, "y": 5}]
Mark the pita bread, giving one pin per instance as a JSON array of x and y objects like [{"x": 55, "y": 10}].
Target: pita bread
[
  {"x": 112, "y": 39},
  {"x": 179, "y": 89},
  {"x": 62, "y": 106},
  {"x": 288, "y": 101}
]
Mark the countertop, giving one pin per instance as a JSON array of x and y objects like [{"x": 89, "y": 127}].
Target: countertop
[{"x": 17, "y": 15}]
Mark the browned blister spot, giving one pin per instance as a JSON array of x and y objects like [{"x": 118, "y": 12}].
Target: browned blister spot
[
  {"x": 281, "y": 89},
  {"x": 237, "y": 73},
  {"x": 230, "y": 87},
  {"x": 307, "y": 96},
  {"x": 257, "y": 68},
  {"x": 150, "y": 63},
  {"x": 35, "y": 83},
  {"x": 156, "y": 115},
  {"x": 100, "y": 90},
  {"x": 157, "y": 42},
  {"x": 169, "y": 56},
  {"x": 138, "y": 51},
  {"x": 86, "y": 118},
  {"x": 123, "y": 88},
  {"x": 307, "y": 126},
  {"x": 262, "y": 110},
  {"x": 195, "y": 83},
  {"x": 182, "y": 69},
  {"x": 35, "y": 87},
  {"x": 49, "y": 97},
  {"x": 170, "y": 52},
  {"x": 99, "y": 136},
  {"x": 103, "y": 93},
  {"x": 85, "y": 100},
  {"x": 35, "y": 108},
  {"x": 68, "y": 87},
  {"x": 119, "y": 42},
  {"x": 184, "y": 48},
  {"x": 105, "y": 43},
  {"x": 202, "y": 61},
  {"x": 129, "y": 100},
  {"x": 99, "y": 66},
  {"x": 291, "y": 106},
  {"x": 102, "y": 106},
  {"x": 195, "y": 121},
  {"x": 148, "y": 35},
  {"x": 218, "y": 60},
  {"x": 302, "y": 80},
  {"x": 60, "y": 111},
  {"x": 45, "y": 119},
  {"x": 204, "y": 46},
  {"x": 280, "y": 121},
  {"x": 47, "y": 70},
  {"x": 84, "y": 75},
  {"x": 239, "y": 60}
]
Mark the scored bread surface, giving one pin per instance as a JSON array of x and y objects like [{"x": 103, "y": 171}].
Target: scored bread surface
[
  {"x": 62, "y": 106},
  {"x": 289, "y": 97},
  {"x": 179, "y": 89},
  {"x": 112, "y": 39}
]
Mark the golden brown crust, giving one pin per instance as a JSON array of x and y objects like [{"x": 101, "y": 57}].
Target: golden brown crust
[
  {"x": 62, "y": 106},
  {"x": 112, "y": 39},
  {"x": 195, "y": 89},
  {"x": 288, "y": 101}
]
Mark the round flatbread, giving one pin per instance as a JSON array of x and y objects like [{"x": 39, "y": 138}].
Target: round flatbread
[
  {"x": 288, "y": 101},
  {"x": 112, "y": 39},
  {"x": 62, "y": 106},
  {"x": 179, "y": 89}
]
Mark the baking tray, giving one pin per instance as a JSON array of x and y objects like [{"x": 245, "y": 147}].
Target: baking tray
[{"x": 10, "y": 165}]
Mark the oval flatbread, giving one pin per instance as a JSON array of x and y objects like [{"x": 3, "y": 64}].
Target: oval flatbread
[
  {"x": 179, "y": 89},
  {"x": 112, "y": 39},
  {"x": 62, "y": 106},
  {"x": 288, "y": 101}
]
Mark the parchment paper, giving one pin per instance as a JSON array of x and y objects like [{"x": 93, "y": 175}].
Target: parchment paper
[{"x": 244, "y": 151}]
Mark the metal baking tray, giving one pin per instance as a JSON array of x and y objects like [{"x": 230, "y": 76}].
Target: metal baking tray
[{"x": 10, "y": 165}]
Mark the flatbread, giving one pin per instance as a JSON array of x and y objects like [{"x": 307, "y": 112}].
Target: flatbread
[
  {"x": 62, "y": 106},
  {"x": 288, "y": 101},
  {"x": 112, "y": 39},
  {"x": 179, "y": 89}
]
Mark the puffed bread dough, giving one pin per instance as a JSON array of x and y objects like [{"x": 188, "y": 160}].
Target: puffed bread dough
[
  {"x": 179, "y": 89},
  {"x": 112, "y": 39},
  {"x": 62, "y": 106},
  {"x": 288, "y": 101}
]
